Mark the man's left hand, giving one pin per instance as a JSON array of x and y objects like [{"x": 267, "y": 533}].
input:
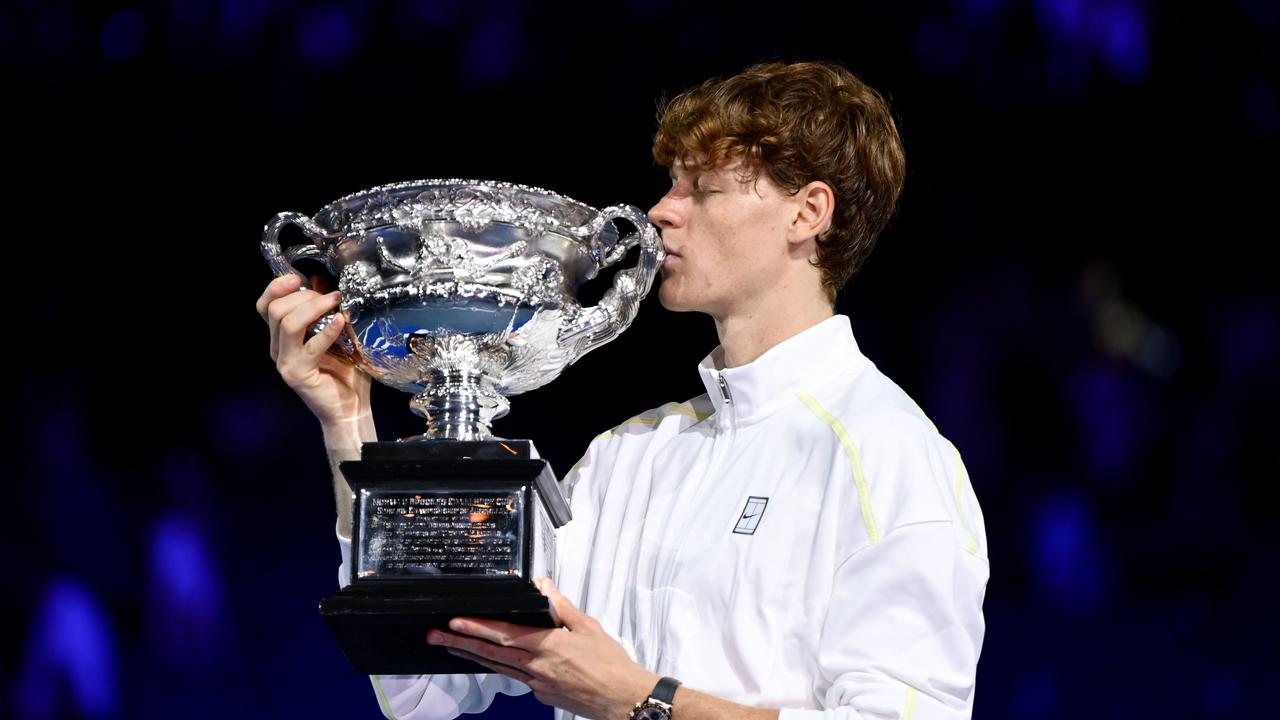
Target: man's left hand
[{"x": 584, "y": 670}]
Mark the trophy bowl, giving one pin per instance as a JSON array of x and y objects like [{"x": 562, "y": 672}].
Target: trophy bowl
[{"x": 463, "y": 292}]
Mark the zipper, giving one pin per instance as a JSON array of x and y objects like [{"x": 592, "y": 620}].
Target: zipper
[
  {"x": 722, "y": 439},
  {"x": 724, "y": 390}
]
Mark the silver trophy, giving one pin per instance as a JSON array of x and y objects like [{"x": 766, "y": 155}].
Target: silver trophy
[{"x": 462, "y": 292}]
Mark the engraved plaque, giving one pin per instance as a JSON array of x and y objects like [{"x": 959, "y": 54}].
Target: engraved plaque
[
  {"x": 443, "y": 529},
  {"x": 471, "y": 533}
]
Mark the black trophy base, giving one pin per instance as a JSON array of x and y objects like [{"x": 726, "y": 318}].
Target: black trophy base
[
  {"x": 386, "y": 634},
  {"x": 382, "y": 619}
]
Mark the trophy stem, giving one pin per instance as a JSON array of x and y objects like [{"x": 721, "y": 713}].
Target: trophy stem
[{"x": 459, "y": 404}]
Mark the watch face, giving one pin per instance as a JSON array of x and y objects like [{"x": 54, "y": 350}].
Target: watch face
[{"x": 651, "y": 713}]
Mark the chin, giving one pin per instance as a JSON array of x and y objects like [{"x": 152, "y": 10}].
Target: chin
[{"x": 671, "y": 300}]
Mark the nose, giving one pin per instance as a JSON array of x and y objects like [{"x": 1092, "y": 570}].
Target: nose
[{"x": 666, "y": 213}]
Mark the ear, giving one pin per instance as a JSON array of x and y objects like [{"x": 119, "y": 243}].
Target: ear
[{"x": 815, "y": 204}]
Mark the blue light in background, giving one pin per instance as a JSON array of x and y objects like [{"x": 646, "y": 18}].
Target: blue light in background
[
  {"x": 90, "y": 540},
  {"x": 1248, "y": 343},
  {"x": 492, "y": 50},
  {"x": 1119, "y": 34},
  {"x": 1063, "y": 19},
  {"x": 1113, "y": 31},
  {"x": 185, "y": 594},
  {"x": 1067, "y": 561},
  {"x": 240, "y": 25},
  {"x": 960, "y": 384},
  {"x": 123, "y": 35},
  {"x": 69, "y": 664},
  {"x": 1111, "y": 416},
  {"x": 1220, "y": 696},
  {"x": 1033, "y": 696},
  {"x": 979, "y": 10},
  {"x": 326, "y": 38},
  {"x": 248, "y": 422}
]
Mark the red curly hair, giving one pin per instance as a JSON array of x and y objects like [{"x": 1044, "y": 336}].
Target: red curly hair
[{"x": 798, "y": 123}]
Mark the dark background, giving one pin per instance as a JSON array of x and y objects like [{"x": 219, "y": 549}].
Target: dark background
[{"x": 1077, "y": 290}]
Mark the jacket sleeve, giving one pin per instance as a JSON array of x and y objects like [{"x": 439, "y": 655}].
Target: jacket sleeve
[
  {"x": 431, "y": 697},
  {"x": 904, "y": 630}
]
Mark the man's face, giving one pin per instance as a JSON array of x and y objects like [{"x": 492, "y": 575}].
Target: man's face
[{"x": 726, "y": 239}]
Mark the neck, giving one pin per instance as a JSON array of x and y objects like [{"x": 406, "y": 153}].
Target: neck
[{"x": 745, "y": 336}]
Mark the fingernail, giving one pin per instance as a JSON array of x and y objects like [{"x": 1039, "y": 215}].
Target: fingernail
[
  {"x": 458, "y": 625},
  {"x": 334, "y": 294},
  {"x": 435, "y": 637}
]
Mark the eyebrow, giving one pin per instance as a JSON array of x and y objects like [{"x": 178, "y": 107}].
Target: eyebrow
[{"x": 694, "y": 174}]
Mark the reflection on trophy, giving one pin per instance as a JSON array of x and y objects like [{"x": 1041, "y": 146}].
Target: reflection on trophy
[{"x": 461, "y": 292}]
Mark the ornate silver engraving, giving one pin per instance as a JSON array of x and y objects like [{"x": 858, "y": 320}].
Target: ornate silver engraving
[
  {"x": 463, "y": 291},
  {"x": 358, "y": 279}
]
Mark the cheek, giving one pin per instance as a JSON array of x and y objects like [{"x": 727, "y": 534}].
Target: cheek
[
  {"x": 724, "y": 246},
  {"x": 754, "y": 248}
]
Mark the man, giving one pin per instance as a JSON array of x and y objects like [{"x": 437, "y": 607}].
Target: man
[{"x": 799, "y": 542}]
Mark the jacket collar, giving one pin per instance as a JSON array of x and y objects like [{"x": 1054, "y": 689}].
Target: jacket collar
[{"x": 805, "y": 361}]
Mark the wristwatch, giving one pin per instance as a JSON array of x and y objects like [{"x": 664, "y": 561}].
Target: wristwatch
[{"x": 658, "y": 705}]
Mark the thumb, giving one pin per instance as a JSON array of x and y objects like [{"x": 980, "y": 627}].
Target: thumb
[{"x": 562, "y": 611}]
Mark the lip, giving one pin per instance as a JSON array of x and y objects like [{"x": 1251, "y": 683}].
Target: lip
[{"x": 670, "y": 259}]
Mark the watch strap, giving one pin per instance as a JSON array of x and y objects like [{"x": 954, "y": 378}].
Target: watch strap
[{"x": 665, "y": 690}]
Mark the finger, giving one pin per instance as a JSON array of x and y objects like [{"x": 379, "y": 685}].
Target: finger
[
  {"x": 278, "y": 310},
  {"x": 499, "y": 632},
  {"x": 546, "y": 586},
  {"x": 323, "y": 340},
  {"x": 277, "y": 288},
  {"x": 294, "y": 326},
  {"x": 506, "y": 655},
  {"x": 566, "y": 612},
  {"x": 511, "y": 672}
]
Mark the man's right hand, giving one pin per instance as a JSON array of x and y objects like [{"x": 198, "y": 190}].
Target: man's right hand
[{"x": 336, "y": 391}]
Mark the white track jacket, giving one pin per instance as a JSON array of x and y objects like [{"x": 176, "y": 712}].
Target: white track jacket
[{"x": 799, "y": 537}]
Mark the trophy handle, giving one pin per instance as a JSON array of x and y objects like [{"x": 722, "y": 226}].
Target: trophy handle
[
  {"x": 281, "y": 265},
  {"x": 597, "y": 325}
]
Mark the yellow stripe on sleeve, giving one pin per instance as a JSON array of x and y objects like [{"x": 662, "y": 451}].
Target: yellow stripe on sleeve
[
  {"x": 681, "y": 409},
  {"x": 909, "y": 709},
  {"x": 855, "y": 459},
  {"x": 648, "y": 421},
  {"x": 961, "y": 475},
  {"x": 383, "y": 703}
]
